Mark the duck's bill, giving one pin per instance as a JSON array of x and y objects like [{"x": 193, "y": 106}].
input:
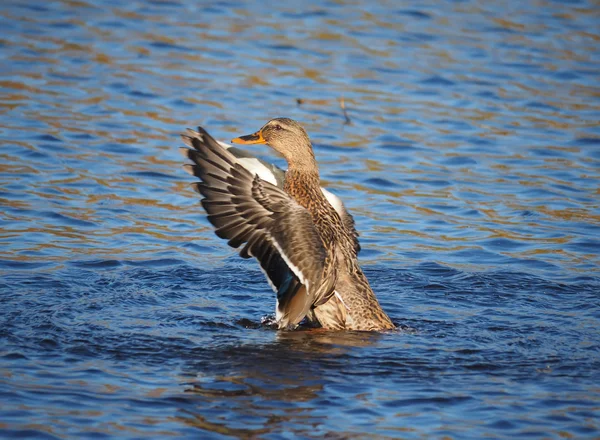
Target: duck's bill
[{"x": 254, "y": 138}]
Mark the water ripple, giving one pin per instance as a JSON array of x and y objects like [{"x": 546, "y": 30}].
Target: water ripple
[{"x": 467, "y": 153}]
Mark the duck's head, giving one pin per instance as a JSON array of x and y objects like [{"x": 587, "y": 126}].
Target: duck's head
[{"x": 285, "y": 136}]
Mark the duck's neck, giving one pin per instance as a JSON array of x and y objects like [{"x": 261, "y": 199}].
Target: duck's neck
[{"x": 303, "y": 184}]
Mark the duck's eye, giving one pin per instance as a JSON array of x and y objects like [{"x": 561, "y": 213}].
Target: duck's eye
[{"x": 278, "y": 127}]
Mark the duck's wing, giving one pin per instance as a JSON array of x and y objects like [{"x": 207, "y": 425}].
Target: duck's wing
[
  {"x": 266, "y": 171},
  {"x": 346, "y": 217},
  {"x": 275, "y": 175},
  {"x": 273, "y": 228}
]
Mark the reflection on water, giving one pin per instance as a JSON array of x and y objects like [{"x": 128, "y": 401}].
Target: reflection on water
[
  {"x": 296, "y": 373},
  {"x": 470, "y": 161}
]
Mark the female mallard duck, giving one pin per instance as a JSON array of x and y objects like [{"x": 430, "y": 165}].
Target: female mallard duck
[{"x": 306, "y": 245}]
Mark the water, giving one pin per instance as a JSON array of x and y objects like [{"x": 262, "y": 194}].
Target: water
[{"x": 471, "y": 164}]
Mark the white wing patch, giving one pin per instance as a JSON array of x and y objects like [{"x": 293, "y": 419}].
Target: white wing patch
[
  {"x": 256, "y": 167},
  {"x": 335, "y": 201}
]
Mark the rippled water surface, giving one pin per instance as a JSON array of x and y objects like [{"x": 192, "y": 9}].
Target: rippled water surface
[{"x": 469, "y": 154}]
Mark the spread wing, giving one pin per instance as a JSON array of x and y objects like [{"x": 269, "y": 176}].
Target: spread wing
[
  {"x": 277, "y": 231},
  {"x": 272, "y": 173}
]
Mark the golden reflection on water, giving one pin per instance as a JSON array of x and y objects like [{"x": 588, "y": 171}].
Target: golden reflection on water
[{"x": 143, "y": 65}]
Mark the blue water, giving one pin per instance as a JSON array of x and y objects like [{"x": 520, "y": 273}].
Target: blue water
[{"x": 470, "y": 157}]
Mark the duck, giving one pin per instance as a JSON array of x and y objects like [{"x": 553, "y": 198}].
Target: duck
[{"x": 304, "y": 239}]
